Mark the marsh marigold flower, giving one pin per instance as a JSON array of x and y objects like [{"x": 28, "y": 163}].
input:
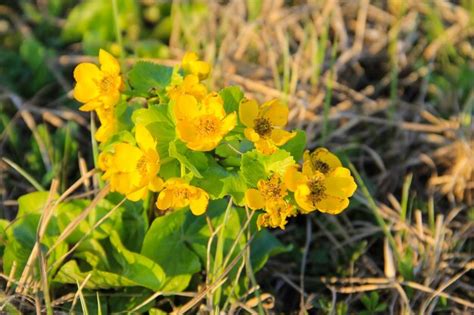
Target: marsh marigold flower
[
  {"x": 189, "y": 86},
  {"x": 202, "y": 125},
  {"x": 192, "y": 65},
  {"x": 178, "y": 194},
  {"x": 265, "y": 124},
  {"x": 269, "y": 196},
  {"x": 323, "y": 185},
  {"x": 133, "y": 170},
  {"x": 98, "y": 87}
]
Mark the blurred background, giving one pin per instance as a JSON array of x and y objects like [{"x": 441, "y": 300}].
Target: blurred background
[{"x": 387, "y": 85}]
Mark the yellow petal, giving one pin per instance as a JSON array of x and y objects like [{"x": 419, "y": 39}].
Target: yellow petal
[
  {"x": 156, "y": 184},
  {"x": 254, "y": 199},
  {"x": 301, "y": 197},
  {"x": 201, "y": 69},
  {"x": 126, "y": 157},
  {"x": 341, "y": 187},
  {"x": 108, "y": 63},
  {"x": 276, "y": 112},
  {"x": 280, "y": 136},
  {"x": 198, "y": 205},
  {"x": 332, "y": 205},
  {"x": 144, "y": 138},
  {"x": 293, "y": 178},
  {"x": 188, "y": 58},
  {"x": 165, "y": 200},
  {"x": 322, "y": 155},
  {"x": 251, "y": 135},
  {"x": 137, "y": 194},
  {"x": 185, "y": 107},
  {"x": 229, "y": 123},
  {"x": 214, "y": 105},
  {"x": 265, "y": 146},
  {"x": 90, "y": 106},
  {"x": 186, "y": 130},
  {"x": 248, "y": 112},
  {"x": 87, "y": 72}
]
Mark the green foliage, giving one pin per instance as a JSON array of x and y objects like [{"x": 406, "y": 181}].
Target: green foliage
[
  {"x": 372, "y": 304},
  {"x": 256, "y": 165},
  {"x": 145, "y": 77},
  {"x": 231, "y": 96}
]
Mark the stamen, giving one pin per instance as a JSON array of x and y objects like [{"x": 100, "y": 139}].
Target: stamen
[
  {"x": 321, "y": 166},
  {"x": 317, "y": 189},
  {"x": 263, "y": 127}
]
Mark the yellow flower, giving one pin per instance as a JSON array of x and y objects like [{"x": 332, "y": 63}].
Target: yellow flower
[
  {"x": 265, "y": 124},
  {"x": 179, "y": 194},
  {"x": 98, "y": 87},
  {"x": 324, "y": 185},
  {"x": 192, "y": 64},
  {"x": 189, "y": 86},
  {"x": 202, "y": 125},
  {"x": 108, "y": 124},
  {"x": 133, "y": 170},
  {"x": 269, "y": 196},
  {"x": 276, "y": 214},
  {"x": 268, "y": 191},
  {"x": 320, "y": 160}
]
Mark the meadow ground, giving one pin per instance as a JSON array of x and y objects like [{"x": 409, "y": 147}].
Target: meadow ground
[{"x": 387, "y": 85}]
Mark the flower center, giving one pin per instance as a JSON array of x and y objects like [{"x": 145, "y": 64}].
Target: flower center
[
  {"x": 317, "y": 189},
  {"x": 272, "y": 189},
  {"x": 263, "y": 127},
  {"x": 321, "y": 166},
  {"x": 181, "y": 193},
  {"x": 106, "y": 84},
  {"x": 142, "y": 166},
  {"x": 208, "y": 125}
]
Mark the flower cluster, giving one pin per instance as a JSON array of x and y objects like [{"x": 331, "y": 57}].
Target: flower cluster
[{"x": 197, "y": 130}]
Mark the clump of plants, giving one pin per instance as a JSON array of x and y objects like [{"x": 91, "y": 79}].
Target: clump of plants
[{"x": 191, "y": 179}]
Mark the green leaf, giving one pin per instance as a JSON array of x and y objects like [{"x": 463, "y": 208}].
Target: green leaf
[
  {"x": 160, "y": 125},
  {"x": 192, "y": 160},
  {"x": 32, "y": 203},
  {"x": 166, "y": 245},
  {"x": 21, "y": 238},
  {"x": 129, "y": 269},
  {"x": 231, "y": 96},
  {"x": 296, "y": 145},
  {"x": 256, "y": 166},
  {"x": 146, "y": 76},
  {"x": 252, "y": 168},
  {"x": 220, "y": 182}
]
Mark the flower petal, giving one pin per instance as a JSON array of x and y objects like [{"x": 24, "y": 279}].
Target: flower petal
[
  {"x": 254, "y": 199},
  {"x": 332, "y": 205},
  {"x": 126, "y": 157},
  {"x": 199, "y": 204},
  {"x": 301, "y": 197},
  {"x": 165, "y": 200},
  {"x": 144, "y": 138},
  {"x": 265, "y": 146},
  {"x": 342, "y": 187},
  {"x": 280, "y": 136},
  {"x": 251, "y": 135},
  {"x": 108, "y": 63},
  {"x": 276, "y": 112},
  {"x": 228, "y": 123},
  {"x": 137, "y": 194},
  {"x": 185, "y": 107},
  {"x": 156, "y": 184},
  {"x": 248, "y": 112},
  {"x": 293, "y": 178}
]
